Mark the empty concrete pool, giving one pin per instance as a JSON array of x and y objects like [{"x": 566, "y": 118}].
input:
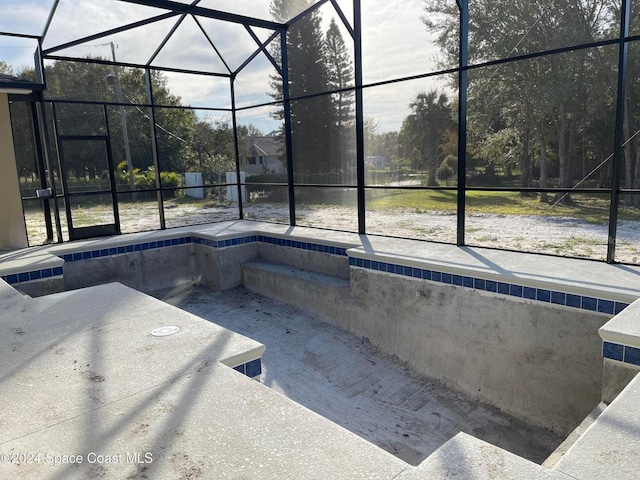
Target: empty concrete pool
[
  {"x": 421, "y": 356},
  {"x": 350, "y": 382}
]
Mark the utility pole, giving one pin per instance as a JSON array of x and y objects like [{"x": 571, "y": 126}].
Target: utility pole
[{"x": 123, "y": 117}]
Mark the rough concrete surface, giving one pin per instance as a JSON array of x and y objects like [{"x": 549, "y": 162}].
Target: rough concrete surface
[
  {"x": 88, "y": 392},
  {"x": 142, "y": 270},
  {"x": 467, "y": 458},
  {"x": 347, "y": 380},
  {"x": 609, "y": 448},
  {"x": 539, "y": 362},
  {"x": 77, "y": 351},
  {"x": 615, "y": 377},
  {"x": 334, "y": 265},
  {"x": 212, "y": 423}
]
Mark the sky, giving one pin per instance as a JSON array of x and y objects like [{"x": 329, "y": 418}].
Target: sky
[{"x": 395, "y": 44}]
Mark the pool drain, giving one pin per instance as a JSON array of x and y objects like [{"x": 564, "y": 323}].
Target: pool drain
[{"x": 164, "y": 331}]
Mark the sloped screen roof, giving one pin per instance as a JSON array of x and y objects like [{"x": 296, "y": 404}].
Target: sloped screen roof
[{"x": 214, "y": 36}]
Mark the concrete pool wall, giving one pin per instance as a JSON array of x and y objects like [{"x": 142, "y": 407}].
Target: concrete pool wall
[
  {"x": 537, "y": 361},
  {"x": 525, "y": 344}
]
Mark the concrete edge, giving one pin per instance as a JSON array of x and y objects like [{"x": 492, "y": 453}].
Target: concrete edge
[
  {"x": 623, "y": 328},
  {"x": 243, "y": 357},
  {"x": 467, "y": 457},
  {"x": 524, "y": 279},
  {"x": 49, "y": 256}
]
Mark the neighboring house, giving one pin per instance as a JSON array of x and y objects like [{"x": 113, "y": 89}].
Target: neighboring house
[
  {"x": 264, "y": 156},
  {"x": 377, "y": 161}
]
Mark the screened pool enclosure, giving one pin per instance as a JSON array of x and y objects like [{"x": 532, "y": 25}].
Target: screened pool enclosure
[{"x": 501, "y": 124}]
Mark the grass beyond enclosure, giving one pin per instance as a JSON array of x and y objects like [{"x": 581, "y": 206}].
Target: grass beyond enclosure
[{"x": 588, "y": 208}]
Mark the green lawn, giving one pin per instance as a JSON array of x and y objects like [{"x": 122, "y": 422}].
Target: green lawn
[{"x": 589, "y": 208}]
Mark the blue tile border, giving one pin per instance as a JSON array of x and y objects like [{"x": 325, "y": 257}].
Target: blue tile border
[
  {"x": 539, "y": 294},
  {"x": 621, "y": 353},
  {"x": 632, "y": 355},
  {"x": 508, "y": 289},
  {"x": 122, "y": 249},
  {"x": 143, "y": 246},
  {"x": 229, "y": 242},
  {"x": 314, "y": 247},
  {"x": 250, "y": 369},
  {"x": 31, "y": 275},
  {"x": 613, "y": 351},
  {"x": 282, "y": 242}
]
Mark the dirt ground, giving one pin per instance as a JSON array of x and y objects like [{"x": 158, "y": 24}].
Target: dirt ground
[
  {"x": 554, "y": 235},
  {"x": 347, "y": 380}
]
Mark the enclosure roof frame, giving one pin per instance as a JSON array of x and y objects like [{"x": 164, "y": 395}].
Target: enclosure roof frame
[
  {"x": 182, "y": 8},
  {"x": 176, "y": 9}
]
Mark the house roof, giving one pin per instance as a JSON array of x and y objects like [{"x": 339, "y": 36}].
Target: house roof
[
  {"x": 9, "y": 82},
  {"x": 264, "y": 146}
]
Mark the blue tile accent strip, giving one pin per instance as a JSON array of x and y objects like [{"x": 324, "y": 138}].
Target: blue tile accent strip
[
  {"x": 253, "y": 368},
  {"x": 508, "y": 289},
  {"x": 530, "y": 293},
  {"x": 621, "y": 353},
  {"x": 15, "y": 278},
  {"x": 32, "y": 275},
  {"x": 605, "y": 306},
  {"x": 632, "y": 355},
  {"x": 250, "y": 369},
  {"x": 136, "y": 247},
  {"x": 613, "y": 351},
  {"x": 315, "y": 247}
]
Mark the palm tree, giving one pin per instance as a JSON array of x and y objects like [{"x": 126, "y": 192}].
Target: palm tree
[{"x": 423, "y": 132}]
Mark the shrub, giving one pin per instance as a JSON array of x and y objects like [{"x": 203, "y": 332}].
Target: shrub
[
  {"x": 267, "y": 193},
  {"x": 447, "y": 169},
  {"x": 172, "y": 180}
]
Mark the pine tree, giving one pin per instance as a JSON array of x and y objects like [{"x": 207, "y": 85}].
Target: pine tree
[
  {"x": 340, "y": 77},
  {"x": 311, "y": 119}
]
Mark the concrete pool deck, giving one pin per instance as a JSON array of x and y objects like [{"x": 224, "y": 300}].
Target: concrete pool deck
[
  {"x": 620, "y": 282},
  {"x": 204, "y": 409},
  {"x": 84, "y": 381}
]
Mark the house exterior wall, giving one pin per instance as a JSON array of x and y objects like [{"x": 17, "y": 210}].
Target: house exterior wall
[
  {"x": 13, "y": 233},
  {"x": 263, "y": 164}
]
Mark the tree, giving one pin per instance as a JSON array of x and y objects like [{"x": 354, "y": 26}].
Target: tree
[
  {"x": 87, "y": 81},
  {"x": 422, "y": 133},
  {"x": 547, "y": 100},
  {"x": 371, "y": 126},
  {"x": 311, "y": 119},
  {"x": 631, "y": 171},
  {"x": 5, "y": 68},
  {"x": 340, "y": 77}
]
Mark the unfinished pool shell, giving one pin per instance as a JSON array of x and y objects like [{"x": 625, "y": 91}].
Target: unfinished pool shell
[{"x": 514, "y": 331}]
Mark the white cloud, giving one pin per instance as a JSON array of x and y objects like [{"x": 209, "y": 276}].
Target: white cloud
[
  {"x": 395, "y": 44},
  {"x": 199, "y": 90},
  {"x": 78, "y": 18},
  {"x": 249, "y": 8},
  {"x": 25, "y": 17}
]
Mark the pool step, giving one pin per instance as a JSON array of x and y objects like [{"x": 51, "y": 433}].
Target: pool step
[
  {"x": 312, "y": 258},
  {"x": 10, "y": 296},
  {"x": 609, "y": 447},
  {"x": 573, "y": 437},
  {"x": 314, "y": 291}
]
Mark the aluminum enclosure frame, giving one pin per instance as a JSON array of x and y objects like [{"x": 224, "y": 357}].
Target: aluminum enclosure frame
[{"x": 181, "y": 11}]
